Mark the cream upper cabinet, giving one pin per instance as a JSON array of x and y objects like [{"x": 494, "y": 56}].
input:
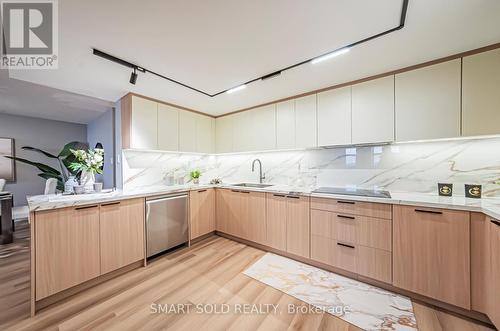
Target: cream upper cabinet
[
  {"x": 205, "y": 134},
  {"x": 143, "y": 124},
  {"x": 481, "y": 94},
  {"x": 306, "y": 122},
  {"x": 224, "y": 134},
  {"x": 241, "y": 131},
  {"x": 428, "y": 102},
  {"x": 373, "y": 111},
  {"x": 168, "y": 128},
  {"x": 285, "y": 125},
  {"x": 334, "y": 117},
  {"x": 262, "y": 135},
  {"x": 187, "y": 131}
]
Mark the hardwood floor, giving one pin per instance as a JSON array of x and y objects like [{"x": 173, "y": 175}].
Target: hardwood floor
[{"x": 207, "y": 273}]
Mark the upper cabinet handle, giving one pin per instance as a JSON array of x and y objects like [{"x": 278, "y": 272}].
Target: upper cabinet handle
[
  {"x": 347, "y": 202},
  {"x": 497, "y": 223},
  {"x": 86, "y": 207},
  {"x": 428, "y": 211},
  {"x": 110, "y": 204},
  {"x": 349, "y": 217}
]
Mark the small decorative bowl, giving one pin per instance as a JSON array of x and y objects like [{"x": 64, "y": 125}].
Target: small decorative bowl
[{"x": 79, "y": 189}]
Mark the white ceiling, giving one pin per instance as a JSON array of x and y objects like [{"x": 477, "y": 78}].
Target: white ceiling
[
  {"x": 215, "y": 45},
  {"x": 18, "y": 97}
]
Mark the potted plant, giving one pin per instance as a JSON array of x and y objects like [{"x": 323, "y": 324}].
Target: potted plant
[
  {"x": 195, "y": 176},
  {"x": 88, "y": 163}
]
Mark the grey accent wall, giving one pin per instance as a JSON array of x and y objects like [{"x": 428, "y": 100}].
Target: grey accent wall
[
  {"x": 45, "y": 134},
  {"x": 101, "y": 130}
]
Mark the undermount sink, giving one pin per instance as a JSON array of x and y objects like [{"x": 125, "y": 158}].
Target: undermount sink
[{"x": 253, "y": 185}]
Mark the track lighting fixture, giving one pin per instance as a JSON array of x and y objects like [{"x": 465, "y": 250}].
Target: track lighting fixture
[
  {"x": 314, "y": 60},
  {"x": 133, "y": 77}
]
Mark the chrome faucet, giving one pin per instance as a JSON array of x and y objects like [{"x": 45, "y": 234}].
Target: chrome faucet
[{"x": 261, "y": 176}]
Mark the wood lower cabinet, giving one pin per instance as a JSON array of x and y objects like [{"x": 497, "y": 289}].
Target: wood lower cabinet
[
  {"x": 121, "y": 234},
  {"x": 276, "y": 209},
  {"x": 431, "y": 253},
  {"x": 242, "y": 214},
  {"x": 202, "y": 212},
  {"x": 66, "y": 248},
  {"x": 493, "y": 309},
  {"x": 355, "y": 243}
]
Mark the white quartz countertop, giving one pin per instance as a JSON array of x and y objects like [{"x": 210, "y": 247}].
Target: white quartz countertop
[{"x": 488, "y": 206}]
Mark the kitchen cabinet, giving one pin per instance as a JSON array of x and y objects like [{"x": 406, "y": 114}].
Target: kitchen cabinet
[
  {"x": 187, "y": 131},
  {"x": 494, "y": 298},
  {"x": 202, "y": 212},
  {"x": 428, "y": 102},
  {"x": 344, "y": 234},
  {"x": 224, "y": 134},
  {"x": 306, "y": 125},
  {"x": 168, "y": 128},
  {"x": 242, "y": 214},
  {"x": 481, "y": 94},
  {"x": 121, "y": 234},
  {"x": 334, "y": 117},
  {"x": 480, "y": 262},
  {"x": 263, "y": 128},
  {"x": 66, "y": 248},
  {"x": 242, "y": 133},
  {"x": 431, "y": 253},
  {"x": 285, "y": 125},
  {"x": 205, "y": 133},
  {"x": 373, "y": 111},
  {"x": 288, "y": 223},
  {"x": 143, "y": 124}
]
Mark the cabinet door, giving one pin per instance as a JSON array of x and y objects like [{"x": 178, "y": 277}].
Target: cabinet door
[
  {"x": 262, "y": 128},
  {"x": 144, "y": 124},
  {"x": 205, "y": 127},
  {"x": 373, "y": 111},
  {"x": 298, "y": 225},
  {"x": 431, "y": 253},
  {"x": 334, "y": 117},
  {"x": 276, "y": 221},
  {"x": 480, "y": 262},
  {"x": 168, "y": 128},
  {"x": 66, "y": 248},
  {"x": 236, "y": 211},
  {"x": 242, "y": 134},
  {"x": 121, "y": 234},
  {"x": 481, "y": 94},
  {"x": 306, "y": 129},
  {"x": 187, "y": 131},
  {"x": 255, "y": 222},
  {"x": 222, "y": 211},
  {"x": 224, "y": 134},
  {"x": 428, "y": 102},
  {"x": 494, "y": 302},
  {"x": 285, "y": 125},
  {"x": 202, "y": 212}
]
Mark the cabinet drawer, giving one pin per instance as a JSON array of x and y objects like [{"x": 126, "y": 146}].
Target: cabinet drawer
[
  {"x": 375, "y": 232},
  {"x": 369, "y": 209},
  {"x": 320, "y": 249},
  {"x": 344, "y": 255},
  {"x": 374, "y": 263},
  {"x": 345, "y": 228}
]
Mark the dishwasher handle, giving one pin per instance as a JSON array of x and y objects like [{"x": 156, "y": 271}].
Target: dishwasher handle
[{"x": 149, "y": 201}]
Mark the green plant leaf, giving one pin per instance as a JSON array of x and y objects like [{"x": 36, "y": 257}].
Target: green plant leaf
[
  {"x": 42, "y": 167},
  {"x": 66, "y": 151},
  {"x": 47, "y": 154}
]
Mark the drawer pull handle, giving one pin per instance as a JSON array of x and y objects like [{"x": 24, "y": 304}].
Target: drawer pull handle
[
  {"x": 346, "y": 202},
  {"x": 429, "y": 211},
  {"x": 293, "y": 196},
  {"x": 200, "y": 191},
  {"x": 86, "y": 207},
  {"x": 279, "y": 195},
  {"x": 111, "y": 204},
  {"x": 235, "y": 191},
  {"x": 345, "y": 245},
  {"x": 247, "y": 192},
  {"x": 497, "y": 223},
  {"x": 348, "y": 217}
]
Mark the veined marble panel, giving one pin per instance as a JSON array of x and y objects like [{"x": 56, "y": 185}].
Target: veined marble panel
[
  {"x": 366, "y": 306},
  {"x": 411, "y": 167}
]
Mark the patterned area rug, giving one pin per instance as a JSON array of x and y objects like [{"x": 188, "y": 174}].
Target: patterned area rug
[{"x": 363, "y": 305}]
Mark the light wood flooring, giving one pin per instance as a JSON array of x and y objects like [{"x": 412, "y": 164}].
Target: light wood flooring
[{"x": 207, "y": 273}]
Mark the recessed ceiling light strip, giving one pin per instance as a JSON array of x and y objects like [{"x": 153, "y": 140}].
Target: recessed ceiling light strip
[{"x": 239, "y": 87}]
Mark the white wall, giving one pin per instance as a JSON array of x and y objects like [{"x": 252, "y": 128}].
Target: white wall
[
  {"x": 44, "y": 134},
  {"x": 101, "y": 130}
]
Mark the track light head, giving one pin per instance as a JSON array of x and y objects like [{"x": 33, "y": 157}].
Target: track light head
[{"x": 133, "y": 77}]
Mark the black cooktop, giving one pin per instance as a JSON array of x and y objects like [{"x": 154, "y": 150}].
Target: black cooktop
[{"x": 353, "y": 191}]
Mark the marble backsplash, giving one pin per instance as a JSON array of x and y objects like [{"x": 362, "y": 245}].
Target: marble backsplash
[{"x": 409, "y": 167}]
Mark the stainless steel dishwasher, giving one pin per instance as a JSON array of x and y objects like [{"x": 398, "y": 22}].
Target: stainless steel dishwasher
[{"x": 166, "y": 223}]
